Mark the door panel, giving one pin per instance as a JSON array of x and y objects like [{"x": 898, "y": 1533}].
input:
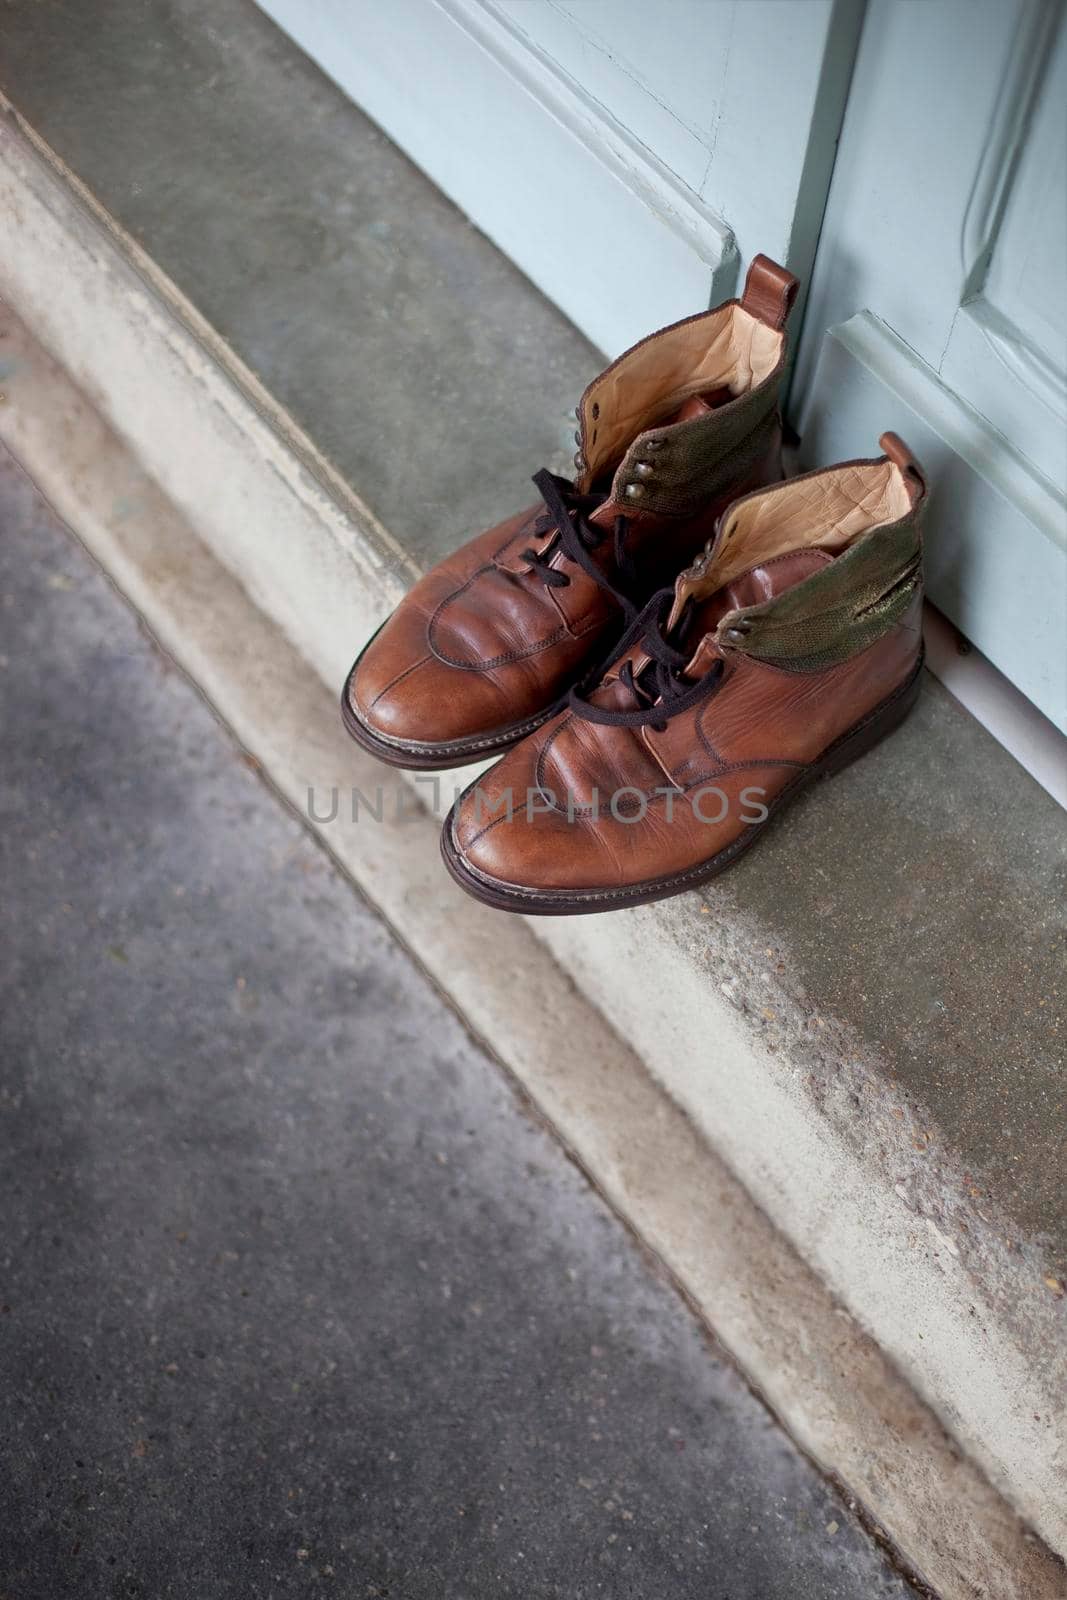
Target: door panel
[
  {"x": 1006, "y": 348},
  {"x": 629, "y": 157},
  {"x": 937, "y": 308},
  {"x": 662, "y": 83}
]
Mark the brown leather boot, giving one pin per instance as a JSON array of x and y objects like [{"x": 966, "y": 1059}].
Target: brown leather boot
[
  {"x": 481, "y": 650},
  {"x": 790, "y": 648}
]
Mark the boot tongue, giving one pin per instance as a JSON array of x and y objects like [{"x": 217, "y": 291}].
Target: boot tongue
[
  {"x": 695, "y": 406},
  {"x": 752, "y": 588},
  {"x": 749, "y": 588},
  {"x": 757, "y": 585}
]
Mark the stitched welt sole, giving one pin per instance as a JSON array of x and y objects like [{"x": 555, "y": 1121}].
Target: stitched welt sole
[{"x": 860, "y": 738}]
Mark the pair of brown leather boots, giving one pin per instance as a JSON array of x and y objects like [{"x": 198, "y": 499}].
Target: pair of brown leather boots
[{"x": 656, "y": 709}]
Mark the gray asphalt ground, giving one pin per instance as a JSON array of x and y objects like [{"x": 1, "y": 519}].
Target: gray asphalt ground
[{"x": 295, "y": 1297}]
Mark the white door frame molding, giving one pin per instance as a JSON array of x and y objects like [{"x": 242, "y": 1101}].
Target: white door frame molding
[{"x": 602, "y": 135}]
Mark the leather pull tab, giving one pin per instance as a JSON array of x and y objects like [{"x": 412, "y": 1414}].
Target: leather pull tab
[
  {"x": 897, "y": 451},
  {"x": 769, "y": 292}
]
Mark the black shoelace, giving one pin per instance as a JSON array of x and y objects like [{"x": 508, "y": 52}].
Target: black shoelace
[
  {"x": 568, "y": 517},
  {"x": 659, "y": 688}
]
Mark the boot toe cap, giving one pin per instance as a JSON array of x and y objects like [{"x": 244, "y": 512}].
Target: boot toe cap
[
  {"x": 420, "y": 706},
  {"x": 505, "y": 834},
  {"x": 424, "y": 702}
]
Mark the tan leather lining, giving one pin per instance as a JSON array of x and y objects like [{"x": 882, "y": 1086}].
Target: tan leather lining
[
  {"x": 726, "y": 349},
  {"x": 827, "y": 511}
]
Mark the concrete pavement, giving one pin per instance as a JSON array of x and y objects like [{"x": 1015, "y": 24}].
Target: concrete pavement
[{"x": 293, "y": 1294}]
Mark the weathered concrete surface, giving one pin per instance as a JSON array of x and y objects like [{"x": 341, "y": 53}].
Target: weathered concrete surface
[
  {"x": 313, "y": 246},
  {"x": 854, "y": 985},
  {"x": 293, "y": 1293}
]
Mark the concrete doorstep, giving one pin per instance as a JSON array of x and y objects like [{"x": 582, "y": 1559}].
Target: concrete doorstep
[{"x": 258, "y": 574}]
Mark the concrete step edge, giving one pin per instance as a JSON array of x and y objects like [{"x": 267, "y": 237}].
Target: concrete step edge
[{"x": 254, "y": 494}]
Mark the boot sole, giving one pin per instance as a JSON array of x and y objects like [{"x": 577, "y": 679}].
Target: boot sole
[{"x": 860, "y": 738}]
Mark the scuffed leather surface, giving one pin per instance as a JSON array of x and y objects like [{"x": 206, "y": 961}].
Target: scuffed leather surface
[
  {"x": 758, "y": 730},
  {"x": 482, "y": 642},
  {"x": 474, "y": 646}
]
